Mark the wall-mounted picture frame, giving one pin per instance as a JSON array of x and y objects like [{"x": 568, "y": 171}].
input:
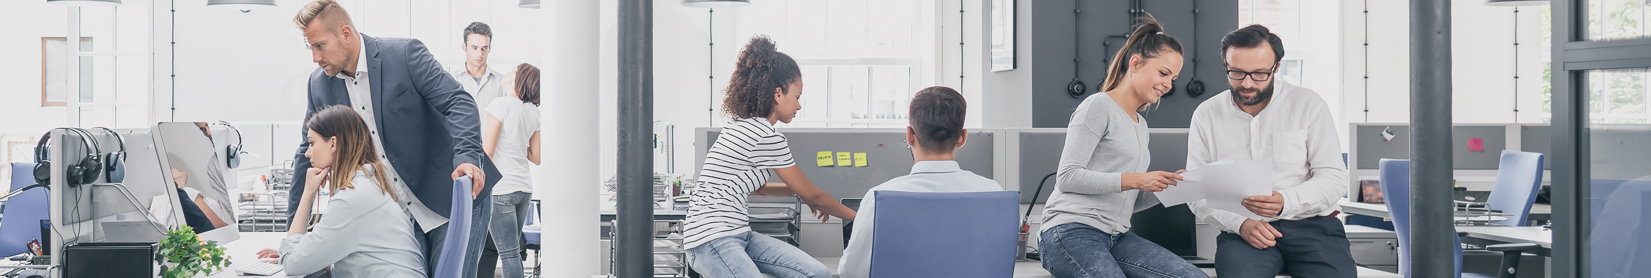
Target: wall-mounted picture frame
[{"x": 1003, "y": 35}]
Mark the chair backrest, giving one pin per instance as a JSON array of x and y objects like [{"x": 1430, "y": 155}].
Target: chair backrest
[
  {"x": 1618, "y": 245},
  {"x": 23, "y": 212},
  {"x": 22, "y": 174},
  {"x": 1395, "y": 183},
  {"x": 451, "y": 261},
  {"x": 532, "y": 214},
  {"x": 944, "y": 234},
  {"x": 1518, "y": 178}
]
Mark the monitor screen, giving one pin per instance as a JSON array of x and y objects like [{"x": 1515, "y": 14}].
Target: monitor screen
[{"x": 197, "y": 171}]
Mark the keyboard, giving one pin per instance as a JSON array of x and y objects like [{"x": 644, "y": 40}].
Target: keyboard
[{"x": 259, "y": 268}]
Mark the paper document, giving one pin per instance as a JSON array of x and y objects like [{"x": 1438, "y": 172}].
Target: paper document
[{"x": 1224, "y": 184}]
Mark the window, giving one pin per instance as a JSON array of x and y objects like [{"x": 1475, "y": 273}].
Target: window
[
  {"x": 53, "y": 84},
  {"x": 1617, "y": 19},
  {"x": 861, "y": 59}
]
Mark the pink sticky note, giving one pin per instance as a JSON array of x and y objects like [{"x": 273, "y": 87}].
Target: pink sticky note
[{"x": 1476, "y": 144}]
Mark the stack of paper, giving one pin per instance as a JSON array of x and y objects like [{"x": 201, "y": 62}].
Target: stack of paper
[{"x": 1224, "y": 184}]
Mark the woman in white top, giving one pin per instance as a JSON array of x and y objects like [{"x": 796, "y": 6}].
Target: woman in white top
[
  {"x": 511, "y": 139},
  {"x": 764, "y": 90},
  {"x": 363, "y": 233}
]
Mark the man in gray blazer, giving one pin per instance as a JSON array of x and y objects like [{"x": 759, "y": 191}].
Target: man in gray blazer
[{"x": 424, "y": 126}]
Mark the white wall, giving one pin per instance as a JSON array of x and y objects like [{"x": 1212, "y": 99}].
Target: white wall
[{"x": 1482, "y": 63}]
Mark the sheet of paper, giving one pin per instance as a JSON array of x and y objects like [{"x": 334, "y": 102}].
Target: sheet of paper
[
  {"x": 1230, "y": 183},
  {"x": 845, "y": 159},
  {"x": 1191, "y": 189},
  {"x": 859, "y": 159},
  {"x": 823, "y": 159}
]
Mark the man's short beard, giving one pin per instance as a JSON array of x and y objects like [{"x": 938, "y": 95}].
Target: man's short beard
[{"x": 1263, "y": 95}]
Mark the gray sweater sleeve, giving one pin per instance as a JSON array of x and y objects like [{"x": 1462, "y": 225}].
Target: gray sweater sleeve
[{"x": 1088, "y": 126}]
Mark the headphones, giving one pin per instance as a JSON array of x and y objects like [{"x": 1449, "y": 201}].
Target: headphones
[
  {"x": 83, "y": 171},
  {"x": 234, "y": 151},
  {"x": 114, "y": 163}
]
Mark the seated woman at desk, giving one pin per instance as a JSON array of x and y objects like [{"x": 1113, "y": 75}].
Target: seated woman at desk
[
  {"x": 1102, "y": 180},
  {"x": 764, "y": 90},
  {"x": 364, "y": 232}
]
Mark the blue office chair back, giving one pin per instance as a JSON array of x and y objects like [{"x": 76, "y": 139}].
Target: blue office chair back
[
  {"x": 530, "y": 228},
  {"x": 1395, "y": 183},
  {"x": 451, "y": 261},
  {"x": 1518, "y": 178},
  {"x": 944, "y": 234},
  {"x": 1619, "y": 246},
  {"x": 22, "y": 213}
]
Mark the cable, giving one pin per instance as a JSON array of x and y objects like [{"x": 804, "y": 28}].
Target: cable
[
  {"x": 1516, "y": 64},
  {"x": 1366, "y": 60},
  {"x": 1195, "y": 87},
  {"x": 1076, "y": 88},
  {"x": 711, "y": 67},
  {"x": 1035, "y": 198}
]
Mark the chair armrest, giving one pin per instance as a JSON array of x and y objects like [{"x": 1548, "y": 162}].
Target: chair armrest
[{"x": 1505, "y": 247}]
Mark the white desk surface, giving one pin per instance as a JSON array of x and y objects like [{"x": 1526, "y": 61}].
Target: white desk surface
[
  {"x": 1034, "y": 269},
  {"x": 245, "y": 250},
  {"x": 1380, "y": 210},
  {"x": 1536, "y": 235}
]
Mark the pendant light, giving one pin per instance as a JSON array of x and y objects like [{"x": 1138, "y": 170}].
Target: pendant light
[
  {"x": 715, "y": 3},
  {"x": 528, "y": 4},
  {"x": 242, "y": 5},
  {"x": 85, "y": 2},
  {"x": 1511, "y": 3}
]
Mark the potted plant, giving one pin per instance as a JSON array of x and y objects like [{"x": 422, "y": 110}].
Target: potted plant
[{"x": 183, "y": 255}]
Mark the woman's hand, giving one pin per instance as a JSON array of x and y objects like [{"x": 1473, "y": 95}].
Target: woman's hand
[
  {"x": 1154, "y": 181},
  {"x": 179, "y": 178},
  {"x": 268, "y": 254},
  {"x": 313, "y": 179}
]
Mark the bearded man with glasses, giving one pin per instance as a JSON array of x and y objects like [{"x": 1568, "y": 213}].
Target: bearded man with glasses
[{"x": 1298, "y": 233}]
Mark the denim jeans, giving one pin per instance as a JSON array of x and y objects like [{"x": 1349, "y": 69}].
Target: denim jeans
[
  {"x": 1078, "y": 250},
  {"x": 749, "y": 255},
  {"x": 480, "y": 211},
  {"x": 507, "y": 234},
  {"x": 1314, "y": 247}
]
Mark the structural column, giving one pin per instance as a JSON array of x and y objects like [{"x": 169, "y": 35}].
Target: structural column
[
  {"x": 1432, "y": 234},
  {"x": 634, "y": 237},
  {"x": 570, "y": 183}
]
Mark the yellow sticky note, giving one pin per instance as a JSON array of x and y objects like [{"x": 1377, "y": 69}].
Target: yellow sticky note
[
  {"x": 844, "y": 159},
  {"x": 823, "y": 159},
  {"x": 859, "y": 159}
]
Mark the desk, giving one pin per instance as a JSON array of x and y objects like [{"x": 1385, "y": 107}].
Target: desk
[
  {"x": 1034, "y": 269},
  {"x": 1539, "y": 212},
  {"x": 245, "y": 250},
  {"x": 659, "y": 214},
  {"x": 1483, "y": 235}
]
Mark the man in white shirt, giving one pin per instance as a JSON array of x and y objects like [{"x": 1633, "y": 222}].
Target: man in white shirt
[
  {"x": 1259, "y": 118},
  {"x": 936, "y": 131},
  {"x": 476, "y": 77}
]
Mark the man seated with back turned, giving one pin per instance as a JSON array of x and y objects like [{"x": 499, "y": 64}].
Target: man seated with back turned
[{"x": 936, "y": 131}]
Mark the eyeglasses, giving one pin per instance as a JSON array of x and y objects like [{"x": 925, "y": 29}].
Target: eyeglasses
[{"x": 1257, "y": 76}]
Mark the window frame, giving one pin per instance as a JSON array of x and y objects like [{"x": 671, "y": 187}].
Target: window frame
[{"x": 44, "y": 58}]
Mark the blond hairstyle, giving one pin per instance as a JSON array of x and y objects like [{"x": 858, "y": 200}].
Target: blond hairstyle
[{"x": 326, "y": 10}]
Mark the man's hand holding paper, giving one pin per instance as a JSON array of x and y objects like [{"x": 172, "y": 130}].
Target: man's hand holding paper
[{"x": 1227, "y": 185}]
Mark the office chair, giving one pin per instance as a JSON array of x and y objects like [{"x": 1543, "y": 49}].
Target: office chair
[
  {"x": 1518, "y": 178},
  {"x": 23, "y": 212},
  {"x": 1616, "y": 249},
  {"x": 1395, "y": 183},
  {"x": 951, "y": 234},
  {"x": 451, "y": 262},
  {"x": 530, "y": 234}
]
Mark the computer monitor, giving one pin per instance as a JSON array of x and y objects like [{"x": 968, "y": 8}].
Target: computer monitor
[{"x": 193, "y": 164}]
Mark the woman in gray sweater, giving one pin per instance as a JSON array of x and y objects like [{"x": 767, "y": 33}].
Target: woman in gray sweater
[{"x": 1102, "y": 178}]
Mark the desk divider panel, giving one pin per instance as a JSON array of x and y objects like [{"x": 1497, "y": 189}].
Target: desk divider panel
[{"x": 885, "y": 149}]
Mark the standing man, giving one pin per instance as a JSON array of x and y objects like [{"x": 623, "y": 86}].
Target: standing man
[
  {"x": 1260, "y": 118},
  {"x": 484, "y": 85},
  {"x": 477, "y": 78},
  {"x": 432, "y": 127}
]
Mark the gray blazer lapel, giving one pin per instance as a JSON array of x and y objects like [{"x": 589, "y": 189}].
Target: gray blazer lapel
[{"x": 376, "y": 77}]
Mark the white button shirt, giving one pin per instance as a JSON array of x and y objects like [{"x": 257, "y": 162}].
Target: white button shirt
[
  {"x": 485, "y": 91},
  {"x": 1295, "y": 129},
  {"x": 361, "y": 99},
  {"x": 926, "y": 176}
]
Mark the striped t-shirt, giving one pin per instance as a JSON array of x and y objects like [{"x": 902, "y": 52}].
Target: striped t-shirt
[{"x": 734, "y": 167}]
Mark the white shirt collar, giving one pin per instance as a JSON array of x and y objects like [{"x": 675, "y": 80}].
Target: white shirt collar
[{"x": 360, "y": 61}]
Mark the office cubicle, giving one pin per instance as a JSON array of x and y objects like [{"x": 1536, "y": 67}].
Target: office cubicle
[{"x": 1475, "y": 163}]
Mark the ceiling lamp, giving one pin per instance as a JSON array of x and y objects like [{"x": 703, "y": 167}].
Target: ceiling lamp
[
  {"x": 242, "y": 5},
  {"x": 1511, "y": 3},
  {"x": 85, "y": 2},
  {"x": 715, "y": 3},
  {"x": 528, "y": 4}
]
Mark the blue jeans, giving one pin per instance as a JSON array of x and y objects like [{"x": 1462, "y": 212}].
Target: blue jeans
[
  {"x": 749, "y": 255},
  {"x": 480, "y": 211},
  {"x": 507, "y": 234},
  {"x": 1078, "y": 250}
]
